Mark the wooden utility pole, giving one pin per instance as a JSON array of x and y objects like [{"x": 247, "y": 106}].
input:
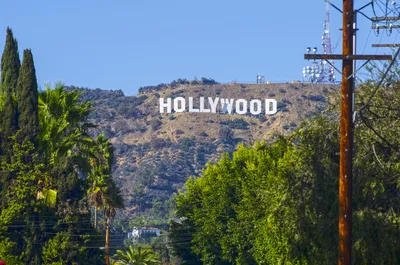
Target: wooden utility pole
[
  {"x": 346, "y": 126},
  {"x": 346, "y": 139}
]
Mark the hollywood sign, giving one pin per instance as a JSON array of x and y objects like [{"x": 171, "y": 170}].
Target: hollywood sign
[{"x": 225, "y": 105}]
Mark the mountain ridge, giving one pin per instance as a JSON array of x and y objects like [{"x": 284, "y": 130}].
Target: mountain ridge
[{"x": 156, "y": 153}]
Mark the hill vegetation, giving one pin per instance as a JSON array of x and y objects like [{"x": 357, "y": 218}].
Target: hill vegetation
[
  {"x": 53, "y": 175},
  {"x": 157, "y": 152}
]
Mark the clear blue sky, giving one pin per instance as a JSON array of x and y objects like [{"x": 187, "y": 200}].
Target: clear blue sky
[{"x": 126, "y": 44}]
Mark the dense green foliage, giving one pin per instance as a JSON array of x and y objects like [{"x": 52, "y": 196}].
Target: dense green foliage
[
  {"x": 27, "y": 98},
  {"x": 10, "y": 66},
  {"x": 137, "y": 256},
  {"x": 277, "y": 203},
  {"x": 48, "y": 161},
  {"x": 154, "y": 164}
]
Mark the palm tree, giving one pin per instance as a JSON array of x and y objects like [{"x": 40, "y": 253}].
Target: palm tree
[
  {"x": 64, "y": 125},
  {"x": 63, "y": 132},
  {"x": 114, "y": 201},
  {"x": 65, "y": 141},
  {"x": 137, "y": 256},
  {"x": 101, "y": 161},
  {"x": 97, "y": 189}
]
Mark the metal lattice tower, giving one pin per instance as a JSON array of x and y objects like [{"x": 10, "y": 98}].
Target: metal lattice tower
[
  {"x": 320, "y": 71},
  {"x": 326, "y": 36},
  {"x": 328, "y": 74}
]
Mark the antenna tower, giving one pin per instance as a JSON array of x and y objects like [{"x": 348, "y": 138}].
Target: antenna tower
[{"x": 320, "y": 71}]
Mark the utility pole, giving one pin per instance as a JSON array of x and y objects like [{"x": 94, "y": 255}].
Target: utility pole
[
  {"x": 346, "y": 139},
  {"x": 346, "y": 125}
]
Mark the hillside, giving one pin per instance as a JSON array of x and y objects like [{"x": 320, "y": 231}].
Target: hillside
[{"x": 156, "y": 153}]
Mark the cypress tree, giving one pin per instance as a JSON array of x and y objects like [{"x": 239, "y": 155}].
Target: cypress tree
[
  {"x": 19, "y": 87},
  {"x": 10, "y": 66},
  {"x": 27, "y": 99},
  {"x": 8, "y": 125}
]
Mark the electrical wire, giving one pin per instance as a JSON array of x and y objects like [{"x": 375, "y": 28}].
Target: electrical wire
[
  {"x": 337, "y": 43},
  {"x": 366, "y": 42},
  {"x": 382, "y": 9},
  {"x": 392, "y": 10},
  {"x": 373, "y": 8},
  {"x": 380, "y": 82}
]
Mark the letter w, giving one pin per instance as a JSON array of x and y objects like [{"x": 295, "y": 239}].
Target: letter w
[{"x": 227, "y": 105}]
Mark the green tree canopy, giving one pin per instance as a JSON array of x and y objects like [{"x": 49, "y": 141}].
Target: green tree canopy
[
  {"x": 137, "y": 256},
  {"x": 10, "y": 66},
  {"x": 277, "y": 203},
  {"x": 27, "y": 98}
]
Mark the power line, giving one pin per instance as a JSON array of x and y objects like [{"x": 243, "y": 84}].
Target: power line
[
  {"x": 347, "y": 123},
  {"x": 380, "y": 82}
]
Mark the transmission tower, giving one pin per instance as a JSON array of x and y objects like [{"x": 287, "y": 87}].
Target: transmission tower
[{"x": 320, "y": 71}]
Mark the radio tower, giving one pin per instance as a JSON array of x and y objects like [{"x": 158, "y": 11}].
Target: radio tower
[
  {"x": 328, "y": 71},
  {"x": 320, "y": 71}
]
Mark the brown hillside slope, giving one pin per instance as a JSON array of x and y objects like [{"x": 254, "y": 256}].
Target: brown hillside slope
[{"x": 156, "y": 153}]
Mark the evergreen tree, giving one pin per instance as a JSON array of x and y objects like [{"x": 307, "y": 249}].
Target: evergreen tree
[
  {"x": 7, "y": 114},
  {"x": 10, "y": 65},
  {"x": 27, "y": 99}
]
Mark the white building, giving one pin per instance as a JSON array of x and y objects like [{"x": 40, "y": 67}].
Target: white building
[{"x": 139, "y": 232}]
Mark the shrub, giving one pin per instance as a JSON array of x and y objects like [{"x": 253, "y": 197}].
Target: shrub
[
  {"x": 310, "y": 114},
  {"x": 186, "y": 143},
  {"x": 282, "y": 90},
  {"x": 281, "y": 105},
  {"x": 236, "y": 124},
  {"x": 158, "y": 143},
  {"x": 208, "y": 81},
  {"x": 203, "y": 134},
  {"x": 207, "y": 147},
  {"x": 226, "y": 134},
  {"x": 155, "y": 124},
  {"x": 179, "y": 132},
  {"x": 262, "y": 118},
  {"x": 286, "y": 101},
  {"x": 317, "y": 98}
]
